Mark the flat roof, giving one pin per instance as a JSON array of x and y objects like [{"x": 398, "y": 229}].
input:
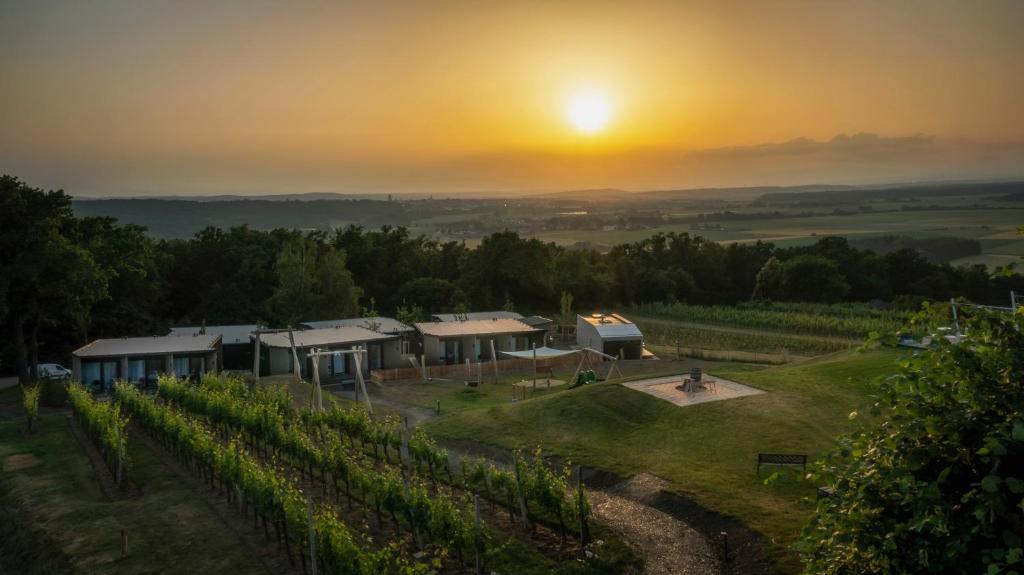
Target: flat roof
[
  {"x": 155, "y": 345},
  {"x": 612, "y": 326},
  {"x": 229, "y": 333},
  {"x": 324, "y": 337},
  {"x": 535, "y": 320},
  {"x": 378, "y": 324},
  {"x": 474, "y": 327},
  {"x": 476, "y": 315}
]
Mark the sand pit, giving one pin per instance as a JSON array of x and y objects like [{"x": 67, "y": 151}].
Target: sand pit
[{"x": 668, "y": 388}]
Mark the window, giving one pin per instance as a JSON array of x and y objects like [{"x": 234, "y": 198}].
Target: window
[
  {"x": 136, "y": 371},
  {"x": 181, "y": 366}
]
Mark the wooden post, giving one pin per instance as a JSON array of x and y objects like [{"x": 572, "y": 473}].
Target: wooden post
[
  {"x": 519, "y": 492},
  {"x": 362, "y": 383},
  {"x": 423, "y": 367},
  {"x": 494, "y": 360},
  {"x": 534, "y": 347},
  {"x": 124, "y": 543},
  {"x": 256, "y": 357},
  {"x": 579, "y": 509},
  {"x": 318, "y": 398},
  {"x": 439, "y": 407},
  {"x": 408, "y": 497},
  {"x": 476, "y": 540},
  {"x": 295, "y": 355},
  {"x": 469, "y": 370},
  {"x": 120, "y": 455},
  {"x": 312, "y": 535}
]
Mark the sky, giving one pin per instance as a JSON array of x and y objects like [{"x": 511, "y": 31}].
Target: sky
[{"x": 446, "y": 97}]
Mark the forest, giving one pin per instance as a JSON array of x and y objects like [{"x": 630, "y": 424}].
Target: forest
[{"x": 65, "y": 280}]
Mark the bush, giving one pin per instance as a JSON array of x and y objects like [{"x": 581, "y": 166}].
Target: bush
[{"x": 935, "y": 484}]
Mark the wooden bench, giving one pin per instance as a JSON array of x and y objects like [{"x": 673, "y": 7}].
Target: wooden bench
[{"x": 781, "y": 459}]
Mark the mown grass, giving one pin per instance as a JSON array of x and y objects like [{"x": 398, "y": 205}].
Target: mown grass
[
  {"x": 707, "y": 452},
  {"x": 170, "y": 530}
]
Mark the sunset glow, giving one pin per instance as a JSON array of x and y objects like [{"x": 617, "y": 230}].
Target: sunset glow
[{"x": 588, "y": 112}]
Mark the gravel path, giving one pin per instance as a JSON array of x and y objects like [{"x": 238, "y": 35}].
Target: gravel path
[{"x": 668, "y": 545}]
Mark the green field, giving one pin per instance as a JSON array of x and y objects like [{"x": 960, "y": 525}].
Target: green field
[
  {"x": 707, "y": 452},
  {"x": 169, "y": 528},
  {"x": 982, "y": 224}
]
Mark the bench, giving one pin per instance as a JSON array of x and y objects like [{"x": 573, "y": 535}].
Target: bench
[{"x": 781, "y": 459}]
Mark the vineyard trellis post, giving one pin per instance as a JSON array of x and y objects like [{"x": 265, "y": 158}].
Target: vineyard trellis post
[
  {"x": 120, "y": 454},
  {"x": 519, "y": 492},
  {"x": 476, "y": 539},
  {"x": 312, "y": 534}
]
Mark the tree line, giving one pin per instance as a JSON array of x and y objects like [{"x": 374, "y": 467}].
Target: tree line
[{"x": 65, "y": 280}]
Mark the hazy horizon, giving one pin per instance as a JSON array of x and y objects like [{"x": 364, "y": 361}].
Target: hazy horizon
[{"x": 253, "y": 98}]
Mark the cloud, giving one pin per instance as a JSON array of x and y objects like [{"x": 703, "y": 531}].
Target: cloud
[{"x": 863, "y": 144}]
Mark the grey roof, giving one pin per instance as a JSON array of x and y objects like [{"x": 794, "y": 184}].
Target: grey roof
[
  {"x": 476, "y": 315},
  {"x": 230, "y": 333},
  {"x": 324, "y": 337},
  {"x": 376, "y": 323},
  {"x": 155, "y": 345},
  {"x": 613, "y": 326},
  {"x": 473, "y": 327}
]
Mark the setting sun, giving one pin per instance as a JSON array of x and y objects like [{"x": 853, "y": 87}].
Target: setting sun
[{"x": 588, "y": 112}]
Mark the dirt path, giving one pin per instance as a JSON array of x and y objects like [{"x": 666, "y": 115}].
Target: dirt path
[{"x": 667, "y": 544}]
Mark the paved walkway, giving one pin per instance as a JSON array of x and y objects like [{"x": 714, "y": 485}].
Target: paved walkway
[{"x": 667, "y": 388}]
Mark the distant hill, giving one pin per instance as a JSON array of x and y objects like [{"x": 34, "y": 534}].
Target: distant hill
[
  {"x": 906, "y": 191},
  {"x": 180, "y": 218}
]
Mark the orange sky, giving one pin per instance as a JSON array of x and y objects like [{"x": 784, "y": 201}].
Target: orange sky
[{"x": 251, "y": 97}]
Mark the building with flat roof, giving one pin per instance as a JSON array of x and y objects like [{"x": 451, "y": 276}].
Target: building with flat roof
[
  {"x": 611, "y": 334},
  {"x": 453, "y": 342},
  {"x": 382, "y": 351},
  {"x": 476, "y": 315},
  {"x": 141, "y": 360},
  {"x": 236, "y": 342},
  {"x": 379, "y": 324}
]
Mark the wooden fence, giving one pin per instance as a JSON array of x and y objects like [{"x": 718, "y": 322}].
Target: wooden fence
[{"x": 486, "y": 367}]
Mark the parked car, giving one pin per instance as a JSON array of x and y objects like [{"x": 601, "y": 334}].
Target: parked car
[{"x": 52, "y": 371}]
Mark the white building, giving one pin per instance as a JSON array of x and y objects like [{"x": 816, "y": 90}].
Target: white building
[{"x": 611, "y": 334}]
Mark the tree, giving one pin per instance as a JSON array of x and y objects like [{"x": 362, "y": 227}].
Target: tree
[
  {"x": 49, "y": 279},
  {"x": 935, "y": 483},
  {"x": 434, "y": 294},
  {"x": 312, "y": 283},
  {"x": 811, "y": 278}
]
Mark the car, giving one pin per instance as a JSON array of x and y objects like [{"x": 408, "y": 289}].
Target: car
[{"x": 52, "y": 371}]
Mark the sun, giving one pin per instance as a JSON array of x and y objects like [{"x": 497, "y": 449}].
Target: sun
[{"x": 588, "y": 112}]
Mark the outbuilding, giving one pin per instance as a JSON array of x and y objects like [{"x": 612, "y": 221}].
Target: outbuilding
[
  {"x": 452, "y": 342},
  {"x": 141, "y": 360},
  {"x": 611, "y": 334},
  {"x": 382, "y": 351},
  {"x": 236, "y": 342}
]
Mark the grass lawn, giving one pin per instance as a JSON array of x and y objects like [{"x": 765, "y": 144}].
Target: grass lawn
[
  {"x": 169, "y": 528},
  {"x": 707, "y": 452}
]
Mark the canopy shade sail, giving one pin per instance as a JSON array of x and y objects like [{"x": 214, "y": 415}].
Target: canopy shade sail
[{"x": 542, "y": 353}]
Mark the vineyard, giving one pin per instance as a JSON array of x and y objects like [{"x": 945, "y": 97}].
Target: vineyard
[
  {"x": 358, "y": 494},
  {"x": 779, "y": 329},
  {"x": 105, "y": 426},
  {"x": 853, "y": 321}
]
